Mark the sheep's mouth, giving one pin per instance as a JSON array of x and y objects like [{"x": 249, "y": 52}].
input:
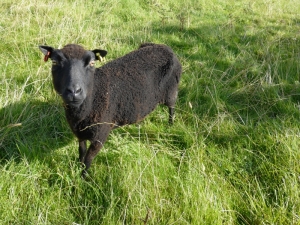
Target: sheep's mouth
[{"x": 74, "y": 103}]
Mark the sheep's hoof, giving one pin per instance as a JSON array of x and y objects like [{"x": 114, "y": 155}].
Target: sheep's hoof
[{"x": 84, "y": 174}]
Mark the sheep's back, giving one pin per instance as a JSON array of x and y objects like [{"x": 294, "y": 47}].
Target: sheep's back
[{"x": 134, "y": 82}]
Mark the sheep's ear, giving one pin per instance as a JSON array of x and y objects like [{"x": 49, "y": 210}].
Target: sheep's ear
[
  {"x": 99, "y": 54},
  {"x": 47, "y": 51}
]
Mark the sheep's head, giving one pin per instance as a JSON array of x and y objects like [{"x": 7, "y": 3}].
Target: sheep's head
[{"x": 73, "y": 70}]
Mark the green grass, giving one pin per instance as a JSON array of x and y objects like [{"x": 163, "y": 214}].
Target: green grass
[{"x": 232, "y": 156}]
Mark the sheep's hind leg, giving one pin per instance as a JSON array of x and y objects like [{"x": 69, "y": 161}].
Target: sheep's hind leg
[
  {"x": 170, "y": 102},
  {"x": 171, "y": 114}
]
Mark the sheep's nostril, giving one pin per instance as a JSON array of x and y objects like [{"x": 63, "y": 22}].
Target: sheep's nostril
[{"x": 76, "y": 91}]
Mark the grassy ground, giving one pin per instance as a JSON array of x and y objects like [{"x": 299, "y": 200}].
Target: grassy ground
[{"x": 232, "y": 156}]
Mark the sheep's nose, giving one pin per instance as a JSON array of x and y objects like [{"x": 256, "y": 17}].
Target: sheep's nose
[{"x": 75, "y": 91}]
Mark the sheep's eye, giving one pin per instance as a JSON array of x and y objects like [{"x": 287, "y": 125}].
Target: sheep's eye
[
  {"x": 92, "y": 63},
  {"x": 54, "y": 63}
]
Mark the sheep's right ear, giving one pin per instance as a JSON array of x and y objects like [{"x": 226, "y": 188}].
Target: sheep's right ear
[
  {"x": 47, "y": 51},
  {"x": 99, "y": 54}
]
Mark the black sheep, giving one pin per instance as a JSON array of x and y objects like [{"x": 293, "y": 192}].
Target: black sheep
[{"x": 121, "y": 92}]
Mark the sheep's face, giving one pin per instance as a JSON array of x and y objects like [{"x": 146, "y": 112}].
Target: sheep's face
[{"x": 72, "y": 71}]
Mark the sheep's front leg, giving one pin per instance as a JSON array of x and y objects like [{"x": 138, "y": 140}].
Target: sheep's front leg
[
  {"x": 90, "y": 155},
  {"x": 94, "y": 149},
  {"x": 82, "y": 151}
]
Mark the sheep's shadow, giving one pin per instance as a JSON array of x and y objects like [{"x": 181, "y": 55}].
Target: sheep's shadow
[{"x": 32, "y": 129}]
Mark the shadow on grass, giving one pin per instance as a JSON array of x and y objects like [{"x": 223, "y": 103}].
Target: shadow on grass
[
  {"x": 229, "y": 69},
  {"x": 241, "y": 84},
  {"x": 32, "y": 129}
]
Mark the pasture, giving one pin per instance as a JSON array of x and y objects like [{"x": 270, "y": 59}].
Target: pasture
[{"x": 231, "y": 157}]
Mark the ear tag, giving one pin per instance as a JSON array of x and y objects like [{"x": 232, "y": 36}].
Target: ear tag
[
  {"x": 98, "y": 56},
  {"x": 47, "y": 56}
]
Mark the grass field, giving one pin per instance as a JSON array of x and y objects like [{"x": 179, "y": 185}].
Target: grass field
[{"x": 232, "y": 155}]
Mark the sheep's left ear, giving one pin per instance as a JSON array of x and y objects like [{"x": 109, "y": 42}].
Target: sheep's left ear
[
  {"x": 47, "y": 51},
  {"x": 99, "y": 54}
]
